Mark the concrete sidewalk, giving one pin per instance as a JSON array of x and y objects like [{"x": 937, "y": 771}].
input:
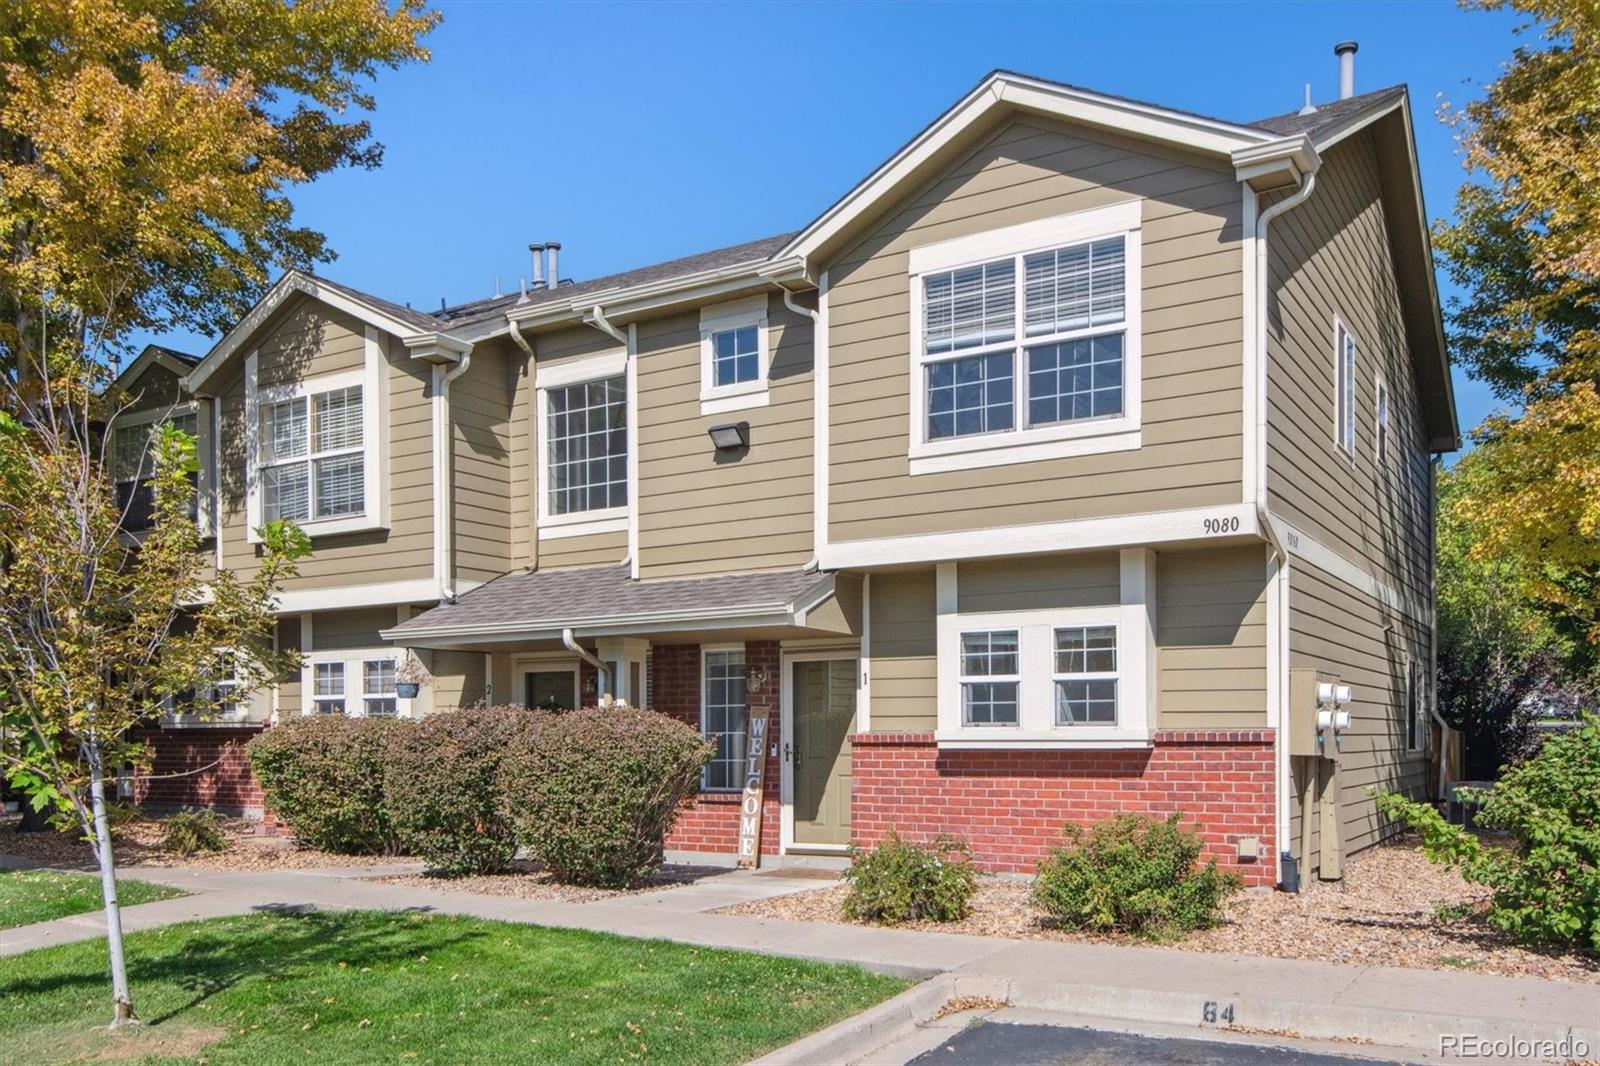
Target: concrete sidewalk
[{"x": 1388, "y": 1006}]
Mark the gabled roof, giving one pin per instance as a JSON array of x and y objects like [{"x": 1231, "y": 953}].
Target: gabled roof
[
  {"x": 1328, "y": 117},
  {"x": 598, "y": 600},
  {"x": 170, "y": 359}
]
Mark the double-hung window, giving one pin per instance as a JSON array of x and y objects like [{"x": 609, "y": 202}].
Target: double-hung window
[
  {"x": 377, "y": 688},
  {"x": 724, "y": 710},
  {"x": 1086, "y": 675},
  {"x": 1026, "y": 341},
  {"x": 133, "y": 463},
  {"x": 312, "y": 458},
  {"x": 990, "y": 676},
  {"x": 357, "y": 683},
  {"x": 1344, "y": 388},
  {"x": 327, "y": 688}
]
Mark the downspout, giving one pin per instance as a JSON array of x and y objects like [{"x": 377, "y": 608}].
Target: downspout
[
  {"x": 816, "y": 323},
  {"x": 597, "y": 319},
  {"x": 446, "y": 471},
  {"x": 603, "y": 680},
  {"x": 1264, "y": 519},
  {"x": 515, "y": 329}
]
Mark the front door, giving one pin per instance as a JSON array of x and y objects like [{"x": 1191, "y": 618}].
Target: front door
[
  {"x": 550, "y": 690},
  {"x": 824, "y": 708}
]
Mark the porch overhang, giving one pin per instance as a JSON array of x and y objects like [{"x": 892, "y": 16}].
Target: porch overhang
[{"x": 604, "y": 601}]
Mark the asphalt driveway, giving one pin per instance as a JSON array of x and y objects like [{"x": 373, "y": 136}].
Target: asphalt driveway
[{"x": 1010, "y": 1044}]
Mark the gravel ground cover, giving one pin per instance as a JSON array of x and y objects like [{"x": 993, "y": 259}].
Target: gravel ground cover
[
  {"x": 1386, "y": 912},
  {"x": 529, "y": 881}
]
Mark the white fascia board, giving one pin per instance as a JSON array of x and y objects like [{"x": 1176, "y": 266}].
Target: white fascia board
[
  {"x": 151, "y": 356},
  {"x": 601, "y": 626},
  {"x": 387, "y": 593},
  {"x": 291, "y": 284},
  {"x": 1294, "y": 156},
  {"x": 1224, "y": 523},
  {"x": 1010, "y": 90}
]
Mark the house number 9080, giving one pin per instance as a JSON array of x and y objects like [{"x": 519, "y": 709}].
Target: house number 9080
[{"x": 1222, "y": 525}]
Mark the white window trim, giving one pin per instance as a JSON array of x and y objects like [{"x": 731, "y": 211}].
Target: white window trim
[
  {"x": 576, "y": 371},
  {"x": 374, "y": 405},
  {"x": 707, "y": 650},
  {"x": 1025, "y": 445},
  {"x": 718, "y": 318},
  {"x": 1410, "y": 678},
  {"x": 546, "y": 662},
  {"x": 1341, "y": 386},
  {"x": 1382, "y": 424},
  {"x": 355, "y": 679},
  {"x": 1134, "y": 620},
  {"x": 205, "y": 492},
  {"x": 1058, "y": 675}
]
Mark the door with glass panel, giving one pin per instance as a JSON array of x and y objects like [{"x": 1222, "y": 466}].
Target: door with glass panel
[
  {"x": 550, "y": 690},
  {"x": 824, "y": 714}
]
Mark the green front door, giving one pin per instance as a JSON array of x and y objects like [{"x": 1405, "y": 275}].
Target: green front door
[{"x": 824, "y": 716}]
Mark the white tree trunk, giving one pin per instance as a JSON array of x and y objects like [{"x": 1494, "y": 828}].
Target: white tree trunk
[{"x": 122, "y": 1001}]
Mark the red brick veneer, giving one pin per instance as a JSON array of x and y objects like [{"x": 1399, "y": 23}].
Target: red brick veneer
[
  {"x": 1010, "y": 805},
  {"x": 204, "y": 766}
]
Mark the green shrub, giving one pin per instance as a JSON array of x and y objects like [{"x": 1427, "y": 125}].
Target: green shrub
[
  {"x": 442, "y": 788},
  {"x": 594, "y": 792},
  {"x": 1135, "y": 875},
  {"x": 324, "y": 775},
  {"x": 903, "y": 881},
  {"x": 1546, "y": 886},
  {"x": 193, "y": 832}
]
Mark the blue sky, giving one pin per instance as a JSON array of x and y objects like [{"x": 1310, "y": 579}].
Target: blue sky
[{"x": 634, "y": 133}]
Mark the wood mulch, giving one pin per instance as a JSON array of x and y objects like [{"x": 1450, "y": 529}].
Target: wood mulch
[
  {"x": 1384, "y": 913},
  {"x": 142, "y": 843},
  {"x": 527, "y": 880}
]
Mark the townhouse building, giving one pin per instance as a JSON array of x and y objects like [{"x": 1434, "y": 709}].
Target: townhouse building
[{"x": 1044, "y": 475}]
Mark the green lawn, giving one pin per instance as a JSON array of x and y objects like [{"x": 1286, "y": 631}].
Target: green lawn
[
  {"x": 28, "y": 896},
  {"x": 417, "y": 988}
]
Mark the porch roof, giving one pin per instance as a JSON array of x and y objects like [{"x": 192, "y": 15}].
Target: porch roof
[{"x": 606, "y": 601}]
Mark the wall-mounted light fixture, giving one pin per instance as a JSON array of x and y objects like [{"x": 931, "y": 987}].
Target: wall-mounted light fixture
[{"x": 730, "y": 436}]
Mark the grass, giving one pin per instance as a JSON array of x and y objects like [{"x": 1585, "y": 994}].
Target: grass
[
  {"x": 418, "y": 988},
  {"x": 28, "y": 896}
]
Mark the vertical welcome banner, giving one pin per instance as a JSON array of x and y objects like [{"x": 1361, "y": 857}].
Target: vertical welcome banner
[{"x": 755, "y": 773}]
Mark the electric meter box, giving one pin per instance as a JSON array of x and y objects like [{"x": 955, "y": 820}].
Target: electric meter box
[{"x": 1303, "y": 708}]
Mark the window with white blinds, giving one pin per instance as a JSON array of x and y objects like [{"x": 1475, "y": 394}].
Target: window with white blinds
[
  {"x": 1033, "y": 340},
  {"x": 312, "y": 463},
  {"x": 133, "y": 463}
]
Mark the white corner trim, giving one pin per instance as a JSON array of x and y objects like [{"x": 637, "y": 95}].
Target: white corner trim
[
  {"x": 1253, "y": 388},
  {"x": 375, "y": 425},
  {"x": 719, "y": 318},
  {"x": 252, "y": 450},
  {"x": 633, "y": 450},
  {"x": 821, "y": 454},
  {"x": 864, "y": 664},
  {"x": 1225, "y": 523},
  {"x": 439, "y": 412}
]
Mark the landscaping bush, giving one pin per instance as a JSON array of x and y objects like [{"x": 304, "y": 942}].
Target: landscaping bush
[
  {"x": 193, "y": 832},
  {"x": 1134, "y": 875},
  {"x": 1546, "y": 886},
  {"x": 442, "y": 790},
  {"x": 903, "y": 881},
  {"x": 594, "y": 792},
  {"x": 324, "y": 775}
]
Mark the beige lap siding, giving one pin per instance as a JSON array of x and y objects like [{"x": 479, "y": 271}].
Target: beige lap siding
[
  {"x": 1336, "y": 629},
  {"x": 308, "y": 339},
  {"x": 1211, "y": 655},
  {"x": 704, "y": 512},
  {"x": 903, "y": 652},
  {"x": 1029, "y": 170},
  {"x": 1330, "y": 257},
  {"x": 481, "y": 402}
]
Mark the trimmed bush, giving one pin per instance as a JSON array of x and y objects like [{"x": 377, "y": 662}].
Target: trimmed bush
[
  {"x": 594, "y": 792},
  {"x": 1546, "y": 887},
  {"x": 903, "y": 881},
  {"x": 1133, "y": 875},
  {"x": 193, "y": 832},
  {"x": 324, "y": 775},
  {"x": 442, "y": 787}
]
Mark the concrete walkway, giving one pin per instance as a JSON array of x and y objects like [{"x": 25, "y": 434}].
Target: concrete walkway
[{"x": 1385, "y": 1005}]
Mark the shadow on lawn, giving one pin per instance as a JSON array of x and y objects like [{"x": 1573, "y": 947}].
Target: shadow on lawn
[{"x": 276, "y": 943}]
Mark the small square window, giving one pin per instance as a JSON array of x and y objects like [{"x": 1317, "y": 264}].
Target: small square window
[{"x": 736, "y": 355}]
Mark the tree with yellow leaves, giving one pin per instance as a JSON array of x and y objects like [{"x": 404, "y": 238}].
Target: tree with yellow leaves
[{"x": 1526, "y": 248}]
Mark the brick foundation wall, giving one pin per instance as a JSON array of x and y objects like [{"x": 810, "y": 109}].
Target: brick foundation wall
[
  {"x": 710, "y": 822},
  {"x": 199, "y": 767},
  {"x": 1010, "y": 805}
]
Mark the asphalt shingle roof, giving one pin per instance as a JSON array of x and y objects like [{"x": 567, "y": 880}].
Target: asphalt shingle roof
[
  {"x": 1326, "y": 115},
  {"x": 551, "y": 599}
]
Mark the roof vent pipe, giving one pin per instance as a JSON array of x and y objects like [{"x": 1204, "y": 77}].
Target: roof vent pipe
[
  {"x": 555, "y": 263},
  {"x": 1346, "y": 51},
  {"x": 537, "y": 251},
  {"x": 1310, "y": 108}
]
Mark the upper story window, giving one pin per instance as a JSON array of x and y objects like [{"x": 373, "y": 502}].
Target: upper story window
[
  {"x": 133, "y": 464},
  {"x": 734, "y": 355},
  {"x": 1344, "y": 388},
  {"x": 1026, "y": 342},
  {"x": 312, "y": 458},
  {"x": 1380, "y": 425},
  {"x": 317, "y": 448},
  {"x": 584, "y": 445}
]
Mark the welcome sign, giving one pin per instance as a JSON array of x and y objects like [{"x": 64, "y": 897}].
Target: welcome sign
[{"x": 755, "y": 772}]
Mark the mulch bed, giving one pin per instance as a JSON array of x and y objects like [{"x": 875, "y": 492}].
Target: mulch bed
[
  {"x": 527, "y": 880},
  {"x": 141, "y": 843},
  {"x": 1382, "y": 914}
]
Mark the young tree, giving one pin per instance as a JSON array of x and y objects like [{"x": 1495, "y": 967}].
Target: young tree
[
  {"x": 99, "y": 634},
  {"x": 147, "y": 148},
  {"x": 1526, "y": 248}
]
